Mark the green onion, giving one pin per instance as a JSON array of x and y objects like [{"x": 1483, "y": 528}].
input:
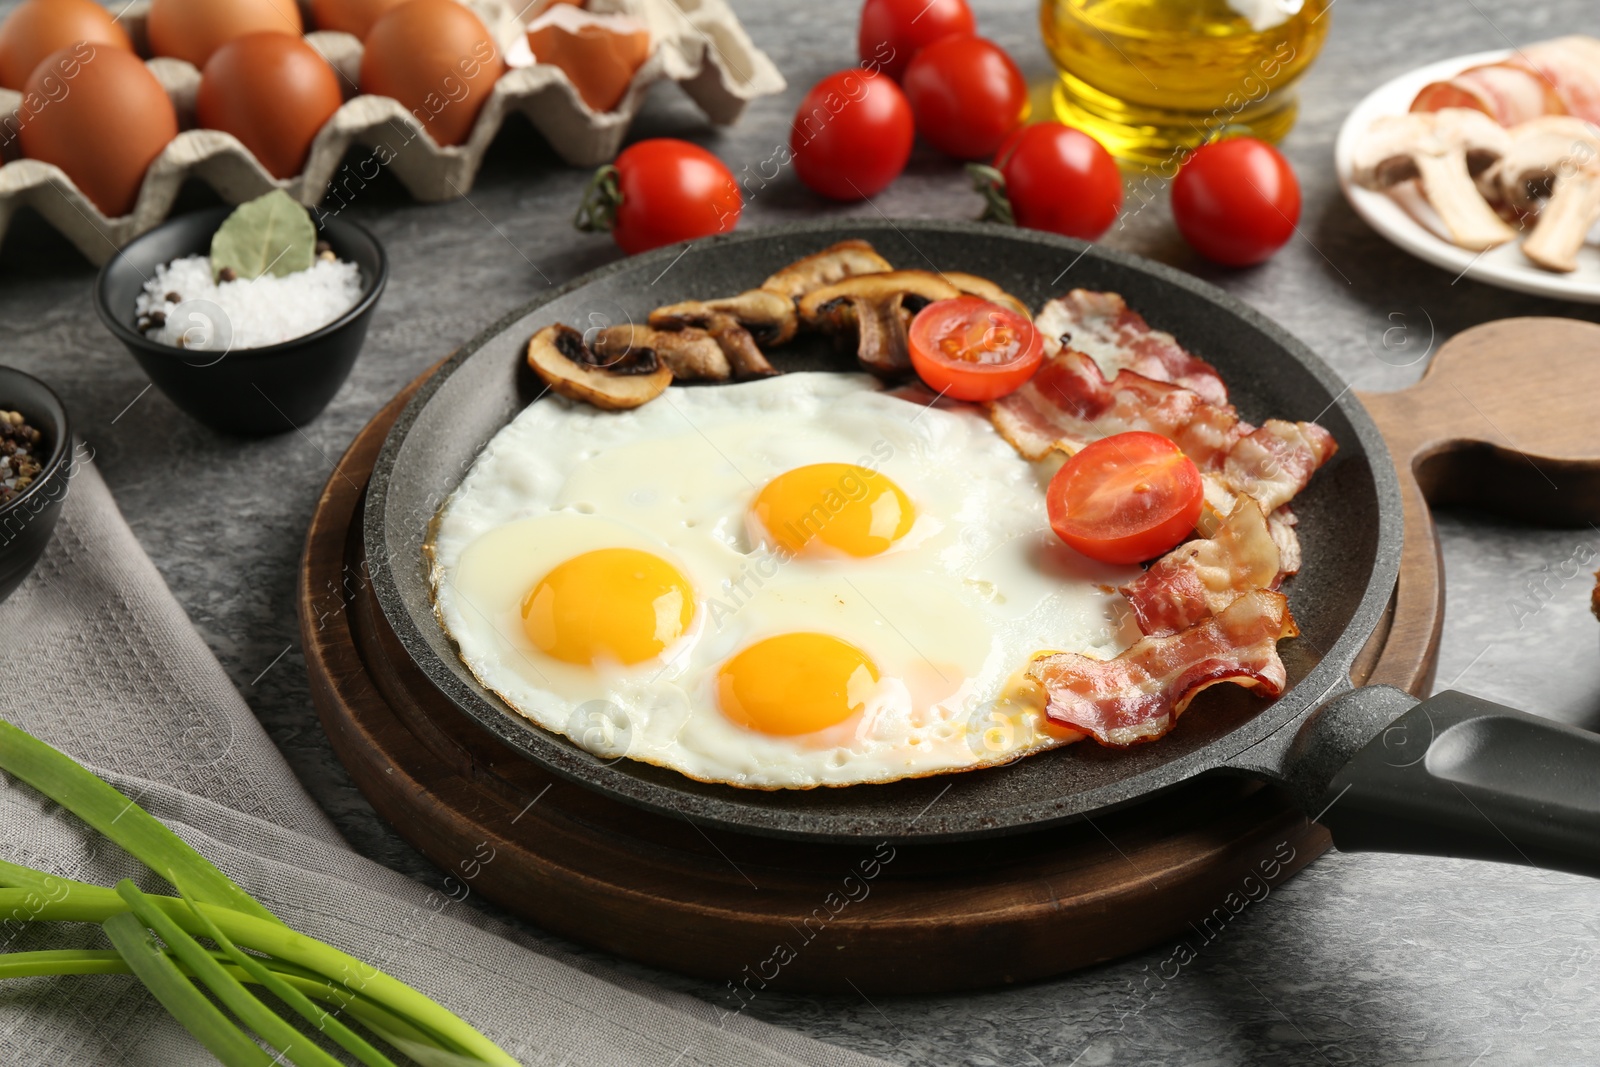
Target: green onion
[
  {"x": 347, "y": 1038},
  {"x": 267, "y": 1024},
  {"x": 178, "y": 995},
  {"x": 62, "y": 961},
  {"x": 108, "y": 961},
  {"x": 95, "y": 904},
  {"x": 293, "y": 967},
  {"x": 64, "y": 781}
]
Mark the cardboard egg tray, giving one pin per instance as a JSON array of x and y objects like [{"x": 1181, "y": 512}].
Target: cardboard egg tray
[{"x": 697, "y": 43}]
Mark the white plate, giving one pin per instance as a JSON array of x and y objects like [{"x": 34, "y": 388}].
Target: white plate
[{"x": 1405, "y": 217}]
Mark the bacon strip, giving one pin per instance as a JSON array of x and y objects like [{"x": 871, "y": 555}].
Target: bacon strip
[
  {"x": 1282, "y": 523},
  {"x": 1117, "y": 338},
  {"x": 1275, "y": 462},
  {"x": 1506, "y": 94},
  {"x": 1559, "y": 77},
  {"x": 1139, "y": 695},
  {"x": 1070, "y": 402},
  {"x": 1200, "y": 578}
]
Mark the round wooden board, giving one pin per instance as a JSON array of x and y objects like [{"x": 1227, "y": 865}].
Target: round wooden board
[{"x": 756, "y": 912}]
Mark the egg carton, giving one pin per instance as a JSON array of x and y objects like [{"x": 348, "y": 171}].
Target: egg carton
[{"x": 697, "y": 43}]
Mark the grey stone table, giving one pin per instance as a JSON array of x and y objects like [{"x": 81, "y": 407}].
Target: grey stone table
[{"x": 1361, "y": 958}]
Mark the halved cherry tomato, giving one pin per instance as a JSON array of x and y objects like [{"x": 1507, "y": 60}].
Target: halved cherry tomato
[
  {"x": 1125, "y": 498},
  {"x": 970, "y": 349}
]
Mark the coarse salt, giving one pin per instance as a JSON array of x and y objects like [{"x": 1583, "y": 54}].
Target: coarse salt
[{"x": 244, "y": 313}]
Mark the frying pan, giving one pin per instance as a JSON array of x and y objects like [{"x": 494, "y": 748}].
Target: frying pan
[{"x": 1449, "y": 775}]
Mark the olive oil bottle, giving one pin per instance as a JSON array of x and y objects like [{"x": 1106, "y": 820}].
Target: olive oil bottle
[{"x": 1151, "y": 79}]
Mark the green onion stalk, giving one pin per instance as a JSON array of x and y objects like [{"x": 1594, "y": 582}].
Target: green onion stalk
[{"x": 261, "y": 994}]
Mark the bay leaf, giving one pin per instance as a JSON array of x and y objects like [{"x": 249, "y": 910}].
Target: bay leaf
[{"x": 271, "y": 234}]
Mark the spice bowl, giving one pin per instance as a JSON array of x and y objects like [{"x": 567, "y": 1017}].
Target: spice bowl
[
  {"x": 249, "y": 392},
  {"x": 28, "y": 519}
]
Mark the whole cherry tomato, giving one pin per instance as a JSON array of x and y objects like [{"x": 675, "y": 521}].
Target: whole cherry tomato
[
  {"x": 852, "y": 135},
  {"x": 1053, "y": 177},
  {"x": 1125, "y": 498},
  {"x": 892, "y": 31},
  {"x": 967, "y": 95},
  {"x": 661, "y": 191},
  {"x": 1236, "y": 201},
  {"x": 970, "y": 349}
]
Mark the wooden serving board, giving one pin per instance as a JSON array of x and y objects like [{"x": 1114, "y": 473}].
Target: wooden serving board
[{"x": 758, "y": 913}]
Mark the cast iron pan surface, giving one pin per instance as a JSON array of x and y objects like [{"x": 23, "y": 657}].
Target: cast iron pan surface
[{"x": 1349, "y": 524}]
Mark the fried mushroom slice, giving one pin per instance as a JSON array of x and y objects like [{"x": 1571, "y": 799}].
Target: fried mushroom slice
[
  {"x": 972, "y": 285},
  {"x": 571, "y": 368},
  {"x": 692, "y": 354},
  {"x": 877, "y": 309},
  {"x": 742, "y": 325},
  {"x": 833, "y": 264}
]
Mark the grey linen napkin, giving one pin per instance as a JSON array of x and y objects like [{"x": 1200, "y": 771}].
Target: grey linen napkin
[{"x": 103, "y": 664}]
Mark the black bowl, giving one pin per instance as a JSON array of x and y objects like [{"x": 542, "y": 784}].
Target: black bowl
[
  {"x": 27, "y": 521},
  {"x": 251, "y": 391}
]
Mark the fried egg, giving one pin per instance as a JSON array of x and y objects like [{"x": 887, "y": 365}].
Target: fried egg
[{"x": 799, "y": 581}]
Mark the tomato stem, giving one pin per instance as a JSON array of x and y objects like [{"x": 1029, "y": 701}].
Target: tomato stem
[
  {"x": 597, "y": 211},
  {"x": 992, "y": 184}
]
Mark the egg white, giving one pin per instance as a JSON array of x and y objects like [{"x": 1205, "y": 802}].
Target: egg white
[{"x": 950, "y": 615}]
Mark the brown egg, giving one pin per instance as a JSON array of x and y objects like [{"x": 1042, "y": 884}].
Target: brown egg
[
  {"x": 350, "y": 16},
  {"x": 438, "y": 60},
  {"x": 193, "y": 29},
  {"x": 273, "y": 92},
  {"x": 101, "y": 116},
  {"x": 39, "y": 27}
]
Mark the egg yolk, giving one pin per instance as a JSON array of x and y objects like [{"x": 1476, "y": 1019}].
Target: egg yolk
[
  {"x": 795, "y": 683},
  {"x": 617, "y": 604},
  {"x": 847, "y": 508}
]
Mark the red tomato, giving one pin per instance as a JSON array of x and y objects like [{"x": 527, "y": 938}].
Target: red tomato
[
  {"x": 1236, "y": 201},
  {"x": 967, "y": 96},
  {"x": 970, "y": 349},
  {"x": 665, "y": 191},
  {"x": 1125, "y": 498},
  {"x": 892, "y": 31},
  {"x": 1060, "y": 179},
  {"x": 852, "y": 135}
]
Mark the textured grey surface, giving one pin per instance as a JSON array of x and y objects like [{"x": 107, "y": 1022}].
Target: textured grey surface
[{"x": 1361, "y": 958}]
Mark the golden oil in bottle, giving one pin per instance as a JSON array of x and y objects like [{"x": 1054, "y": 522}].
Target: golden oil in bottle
[{"x": 1151, "y": 79}]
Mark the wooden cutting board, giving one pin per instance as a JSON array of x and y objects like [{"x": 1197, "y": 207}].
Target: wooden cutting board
[{"x": 758, "y": 913}]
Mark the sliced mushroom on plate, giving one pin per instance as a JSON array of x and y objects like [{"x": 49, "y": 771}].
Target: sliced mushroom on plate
[
  {"x": 973, "y": 285},
  {"x": 1444, "y": 150},
  {"x": 742, "y": 325},
  {"x": 615, "y": 381},
  {"x": 876, "y": 309},
  {"x": 1553, "y": 170}
]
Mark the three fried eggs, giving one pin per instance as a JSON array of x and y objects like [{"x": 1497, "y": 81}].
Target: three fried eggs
[{"x": 792, "y": 582}]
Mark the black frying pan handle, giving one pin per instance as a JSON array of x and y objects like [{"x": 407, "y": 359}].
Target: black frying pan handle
[{"x": 1460, "y": 776}]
